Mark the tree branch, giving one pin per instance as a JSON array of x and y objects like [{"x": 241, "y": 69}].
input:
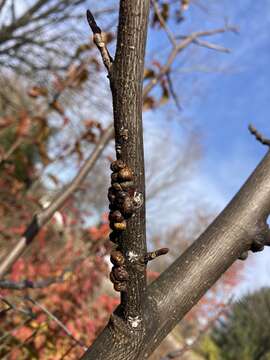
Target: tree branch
[
  {"x": 44, "y": 216},
  {"x": 258, "y": 135},
  {"x": 56, "y": 320},
  {"x": 183, "y": 44},
  {"x": 126, "y": 86},
  {"x": 99, "y": 41},
  {"x": 163, "y": 23}
]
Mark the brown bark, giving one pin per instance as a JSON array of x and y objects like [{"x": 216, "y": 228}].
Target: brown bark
[{"x": 126, "y": 84}]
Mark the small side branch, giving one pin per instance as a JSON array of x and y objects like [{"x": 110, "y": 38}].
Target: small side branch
[
  {"x": 56, "y": 320},
  {"x": 186, "y": 41},
  {"x": 44, "y": 283},
  {"x": 38, "y": 284},
  {"x": 211, "y": 46},
  {"x": 11, "y": 306},
  {"x": 258, "y": 135},
  {"x": 154, "y": 254},
  {"x": 163, "y": 23},
  {"x": 17, "y": 143},
  {"x": 99, "y": 41}
]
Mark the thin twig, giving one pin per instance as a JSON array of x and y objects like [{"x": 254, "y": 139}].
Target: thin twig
[
  {"x": 258, "y": 135},
  {"x": 29, "y": 284},
  {"x": 99, "y": 41},
  {"x": 44, "y": 283},
  {"x": 163, "y": 24},
  {"x": 183, "y": 44},
  {"x": 211, "y": 46},
  {"x": 173, "y": 93},
  {"x": 55, "y": 319},
  {"x": 17, "y": 143},
  {"x": 13, "y": 307}
]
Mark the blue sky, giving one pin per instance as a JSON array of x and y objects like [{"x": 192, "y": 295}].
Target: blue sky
[
  {"x": 233, "y": 92},
  {"x": 232, "y": 101}
]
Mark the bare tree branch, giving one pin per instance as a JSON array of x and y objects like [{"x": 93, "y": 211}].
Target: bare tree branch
[
  {"x": 211, "y": 46},
  {"x": 44, "y": 216},
  {"x": 17, "y": 143},
  {"x": 163, "y": 24},
  {"x": 183, "y": 44},
  {"x": 55, "y": 319},
  {"x": 10, "y": 305},
  {"x": 44, "y": 283},
  {"x": 258, "y": 136},
  {"x": 99, "y": 41}
]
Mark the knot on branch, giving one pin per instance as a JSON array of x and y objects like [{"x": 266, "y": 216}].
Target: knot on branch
[{"x": 259, "y": 242}]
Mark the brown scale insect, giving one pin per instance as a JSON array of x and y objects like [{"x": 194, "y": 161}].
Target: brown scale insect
[
  {"x": 113, "y": 237},
  {"x": 117, "y": 258},
  {"x": 120, "y": 273},
  {"x": 127, "y": 207},
  {"x": 116, "y": 216},
  {"x": 117, "y": 165},
  {"x": 127, "y": 185},
  {"x": 125, "y": 174},
  {"x": 112, "y": 207},
  {"x": 120, "y": 226},
  {"x": 112, "y": 278},
  {"x": 114, "y": 177},
  {"x": 121, "y": 286},
  {"x": 117, "y": 186},
  {"x": 111, "y": 196},
  {"x": 121, "y": 195}
]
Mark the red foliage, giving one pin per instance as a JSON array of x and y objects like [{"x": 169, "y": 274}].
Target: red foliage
[{"x": 74, "y": 301}]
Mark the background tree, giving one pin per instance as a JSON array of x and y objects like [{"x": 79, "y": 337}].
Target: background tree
[{"x": 243, "y": 332}]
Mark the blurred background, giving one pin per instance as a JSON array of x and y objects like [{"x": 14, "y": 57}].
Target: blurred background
[{"x": 206, "y": 76}]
